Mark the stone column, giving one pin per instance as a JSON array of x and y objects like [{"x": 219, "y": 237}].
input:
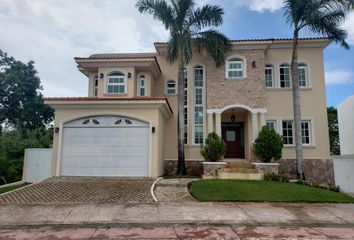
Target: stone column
[
  {"x": 218, "y": 123},
  {"x": 210, "y": 117},
  {"x": 254, "y": 126}
]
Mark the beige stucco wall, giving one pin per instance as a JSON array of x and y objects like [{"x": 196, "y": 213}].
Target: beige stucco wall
[
  {"x": 313, "y": 100},
  {"x": 153, "y": 116}
]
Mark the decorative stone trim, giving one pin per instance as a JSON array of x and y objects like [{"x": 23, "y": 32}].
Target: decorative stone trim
[
  {"x": 266, "y": 167},
  {"x": 213, "y": 169}
]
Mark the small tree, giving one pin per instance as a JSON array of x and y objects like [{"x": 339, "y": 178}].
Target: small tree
[
  {"x": 214, "y": 148},
  {"x": 269, "y": 144}
]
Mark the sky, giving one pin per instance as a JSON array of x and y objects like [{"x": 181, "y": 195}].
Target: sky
[{"x": 53, "y": 32}]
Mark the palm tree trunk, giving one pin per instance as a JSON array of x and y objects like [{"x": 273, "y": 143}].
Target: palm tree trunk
[
  {"x": 297, "y": 108},
  {"x": 181, "y": 166}
]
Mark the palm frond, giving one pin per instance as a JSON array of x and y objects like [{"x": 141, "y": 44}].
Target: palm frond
[
  {"x": 207, "y": 16},
  {"x": 160, "y": 10},
  {"x": 184, "y": 9},
  {"x": 215, "y": 43}
]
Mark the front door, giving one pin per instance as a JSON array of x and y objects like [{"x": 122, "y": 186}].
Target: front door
[{"x": 233, "y": 135}]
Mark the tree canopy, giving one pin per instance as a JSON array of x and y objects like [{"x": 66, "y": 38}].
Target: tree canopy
[{"x": 21, "y": 102}]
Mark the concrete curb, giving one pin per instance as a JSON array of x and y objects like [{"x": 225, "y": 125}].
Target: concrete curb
[{"x": 153, "y": 188}]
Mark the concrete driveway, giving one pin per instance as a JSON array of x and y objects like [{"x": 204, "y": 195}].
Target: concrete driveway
[{"x": 83, "y": 190}]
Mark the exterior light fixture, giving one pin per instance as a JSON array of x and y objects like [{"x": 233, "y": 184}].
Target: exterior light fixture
[
  {"x": 233, "y": 117},
  {"x": 56, "y": 130},
  {"x": 129, "y": 75},
  {"x": 254, "y": 64},
  {"x": 101, "y": 75}
]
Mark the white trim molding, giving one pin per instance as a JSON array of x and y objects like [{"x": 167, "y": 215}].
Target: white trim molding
[{"x": 252, "y": 110}]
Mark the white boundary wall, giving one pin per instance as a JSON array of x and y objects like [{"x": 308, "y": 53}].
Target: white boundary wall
[
  {"x": 37, "y": 164},
  {"x": 344, "y": 172}
]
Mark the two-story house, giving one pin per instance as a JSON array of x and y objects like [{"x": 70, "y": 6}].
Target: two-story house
[{"x": 127, "y": 125}]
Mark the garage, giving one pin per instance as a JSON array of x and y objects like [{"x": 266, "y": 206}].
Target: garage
[{"x": 105, "y": 146}]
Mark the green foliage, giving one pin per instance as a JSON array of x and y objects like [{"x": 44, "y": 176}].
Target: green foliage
[
  {"x": 275, "y": 177},
  {"x": 268, "y": 145},
  {"x": 12, "y": 147},
  {"x": 21, "y": 103},
  {"x": 214, "y": 148},
  {"x": 333, "y": 130}
]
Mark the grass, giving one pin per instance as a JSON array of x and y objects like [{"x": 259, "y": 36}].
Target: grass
[
  {"x": 7, "y": 189},
  {"x": 263, "y": 191}
]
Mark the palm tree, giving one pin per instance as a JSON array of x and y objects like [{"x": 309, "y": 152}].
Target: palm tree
[
  {"x": 187, "y": 26},
  {"x": 322, "y": 17}
]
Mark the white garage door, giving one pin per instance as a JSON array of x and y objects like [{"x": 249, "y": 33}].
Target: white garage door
[{"x": 105, "y": 146}]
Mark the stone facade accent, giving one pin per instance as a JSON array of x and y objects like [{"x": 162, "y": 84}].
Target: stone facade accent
[
  {"x": 212, "y": 169},
  {"x": 317, "y": 171},
  {"x": 194, "y": 168},
  {"x": 222, "y": 92},
  {"x": 266, "y": 167}
]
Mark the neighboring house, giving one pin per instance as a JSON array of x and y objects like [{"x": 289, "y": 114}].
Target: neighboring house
[
  {"x": 346, "y": 126},
  {"x": 127, "y": 126}
]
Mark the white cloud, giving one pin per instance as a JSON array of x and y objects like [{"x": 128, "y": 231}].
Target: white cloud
[
  {"x": 262, "y": 5},
  {"x": 339, "y": 77},
  {"x": 53, "y": 32},
  {"x": 349, "y": 26}
]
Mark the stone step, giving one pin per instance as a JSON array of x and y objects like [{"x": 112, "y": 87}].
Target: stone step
[
  {"x": 240, "y": 170},
  {"x": 239, "y": 165},
  {"x": 241, "y": 176}
]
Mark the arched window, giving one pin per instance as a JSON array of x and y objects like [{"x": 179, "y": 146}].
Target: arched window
[
  {"x": 142, "y": 85},
  {"x": 171, "y": 87},
  {"x": 198, "y": 105},
  {"x": 284, "y": 71},
  {"x": 235, "y": 68},
  {"x": 303, "y": 75},
  {"x": 116, "y": 83},
  {"x": 269, "y": 76}
]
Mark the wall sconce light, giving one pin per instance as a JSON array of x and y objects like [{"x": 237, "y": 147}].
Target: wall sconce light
[
  {"x": 233, "y": 117},
  {"x": 56, "y": 130},
  {"x": 129, "y": 75},
  {"x": 254, "y": 64},
  {"x": 101, "y": 75},
  {"x": 153, "y": 129}
]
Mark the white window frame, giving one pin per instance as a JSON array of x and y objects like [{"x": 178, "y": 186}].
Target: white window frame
[
  {"x": 311, "y": 132},
  {"x": 236, "y": 59},
  {"x": 283, "y": 65},
  {"x": 185, "y": 107},
  {"x": 167, "y": 88},
  {"x": 198, "y": 105},
  {"x": 304, "y": 66},
  {"x": 141, "y": 78},
  {"x": 122, "y": 76},
  {"x": 95, "y": 85},
  {"x": 269, "y": 67}
]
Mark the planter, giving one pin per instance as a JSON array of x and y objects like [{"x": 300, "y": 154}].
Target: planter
[
  {"x": 266, "y": 167},
  {"x": 211, "y": 170}
]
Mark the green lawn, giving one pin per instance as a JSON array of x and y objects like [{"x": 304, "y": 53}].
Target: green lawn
[
  {"x": 263, "y": 191},
  {"x": 7, "y": 189}
]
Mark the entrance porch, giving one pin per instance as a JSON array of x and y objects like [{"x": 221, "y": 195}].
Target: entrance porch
[{"x": 238, "y": 125}]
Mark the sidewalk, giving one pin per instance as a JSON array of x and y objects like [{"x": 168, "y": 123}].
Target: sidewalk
[{"x": 241, "y": 214}]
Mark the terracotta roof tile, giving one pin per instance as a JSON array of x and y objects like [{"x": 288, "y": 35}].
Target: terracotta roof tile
[{"x": 120, "y": 56}]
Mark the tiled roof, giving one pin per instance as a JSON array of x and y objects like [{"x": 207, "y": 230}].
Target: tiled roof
[
  {"x": 270, "y": 39},
  {"x": 120, "y": 56},
  {"x": 81, "y": 99}
]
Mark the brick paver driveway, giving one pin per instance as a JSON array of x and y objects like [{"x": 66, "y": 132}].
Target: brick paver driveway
[{"x": 83, "y": 190}]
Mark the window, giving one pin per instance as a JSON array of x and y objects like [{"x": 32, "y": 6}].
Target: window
[
  {"x": 235, "y": 68},
  {"x": 185, "y": 110},
  {"x": 284, "y": 76},
  {"x": 198, "y": 105},
  {"x": 306, "y": 132},
  {"x": 95, "y": 86},
  {"x": 271, "y": 124},
  {"x": 303, "y": 78},
  {"x": 116, "y": 83},
  {"x": 171, "y": 87},
  {"x": 288, "y": 132},
  {"x": 269, "y": 76},
  {"x": 141, "y": 85}
]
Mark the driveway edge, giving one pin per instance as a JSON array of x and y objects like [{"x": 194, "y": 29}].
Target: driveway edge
[{"x": 153, "y": 188}]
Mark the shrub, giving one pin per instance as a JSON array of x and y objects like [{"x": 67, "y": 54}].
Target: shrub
[
  {"x": 275, "y": 177},
  {"x": 268, "y": 146},
  {"x": 214, "y": 148}
]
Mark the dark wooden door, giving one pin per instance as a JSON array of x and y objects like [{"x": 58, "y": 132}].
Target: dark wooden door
[{"x": 233, "y": 135}]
